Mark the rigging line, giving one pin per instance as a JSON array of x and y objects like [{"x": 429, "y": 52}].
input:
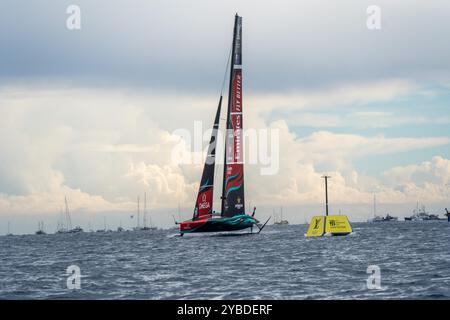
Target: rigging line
[
  {"x": 221, "y": 93},
  {"x": 226, "y": 71}
]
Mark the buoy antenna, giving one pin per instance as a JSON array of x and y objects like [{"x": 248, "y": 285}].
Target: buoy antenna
[{"x": 326, "y": 192}]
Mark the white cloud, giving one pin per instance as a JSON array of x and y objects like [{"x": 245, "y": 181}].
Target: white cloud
[
  {"x": 360, "y": 120},
  {"x": 335, "y": 97},
  {"x": 38, "y": 203},
  {"x": 436, "y": 171},
  {"x": 103, "y": 148},
  {"x": 299, "y": 180},
  {"x": 323, "y": 146}
]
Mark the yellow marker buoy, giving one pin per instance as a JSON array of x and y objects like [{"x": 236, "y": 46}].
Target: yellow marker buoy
[
  {"x": 316, "y": 227},
  {"x": 338, "y": 225},
  {"x": 332, "y": 225}
]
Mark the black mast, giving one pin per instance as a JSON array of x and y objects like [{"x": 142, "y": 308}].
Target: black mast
[
  {"x": 228, "y": 123},
  {"x": 326, "y": 192}
]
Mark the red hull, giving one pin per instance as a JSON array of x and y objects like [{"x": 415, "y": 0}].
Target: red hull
[{"x": 188, "y": 226}]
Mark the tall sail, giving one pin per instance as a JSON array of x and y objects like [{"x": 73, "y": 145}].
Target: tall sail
[
  {"x": 204, "y": 203},
  {"x": 233, "y": 184}
]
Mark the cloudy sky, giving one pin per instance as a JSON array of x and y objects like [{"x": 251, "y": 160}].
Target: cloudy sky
[{"x": 93, "y": 114}]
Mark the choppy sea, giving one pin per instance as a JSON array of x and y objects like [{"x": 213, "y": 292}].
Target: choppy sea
[{"x": 280, "y": 263}]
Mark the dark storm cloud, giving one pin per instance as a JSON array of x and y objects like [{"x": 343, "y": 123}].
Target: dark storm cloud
[{"x": 183, "y": 45}]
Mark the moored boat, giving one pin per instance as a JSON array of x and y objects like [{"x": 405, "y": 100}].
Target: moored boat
[
  {"x": 387, "y": 218},
  {"x": 281, "y": 221},
  {"x": 40, "y": 230},
  {"x": 420, "y": 214}
]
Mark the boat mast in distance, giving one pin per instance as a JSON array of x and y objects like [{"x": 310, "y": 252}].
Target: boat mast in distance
[
  {"x": 40, "y": 228},
  {"x": 374, "y": 205},
  {"x": 146, "y": 226},
  {"x": 68, "y": 219},
  {"x": 9, "y": 230},
  {"x": 145, "y": 210},
  {"x": 66, "y": 215},
  {"x": 281, "y": 221},
  {"x": 138, "y": 214}
]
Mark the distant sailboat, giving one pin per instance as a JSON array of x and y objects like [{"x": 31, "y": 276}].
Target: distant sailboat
[
  {"x": 40, "y": 230},
  {"x": 120, "y": 229},
  {"x": 68, "y": 220},
  {"x": 387, "y": 218},
  {"x": 375, "y": 217},
  {"x": 8, "y": 233},
  {"x": 147, "y": 227},
  {"x": 232, "y": 216},
  {"x": 60, "y": 228},
  {"x": 281, "y": 221},
  {"x": 138, "y": 226}
]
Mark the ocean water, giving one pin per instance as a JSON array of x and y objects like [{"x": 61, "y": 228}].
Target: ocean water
[{"x": 279, "y": 263}]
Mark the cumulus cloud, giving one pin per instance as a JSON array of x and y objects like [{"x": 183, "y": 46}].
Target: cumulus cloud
[
  {"x": 361, "y": 120},
  {"x": 436, "y": 171},
  {"x": 325, "y": 146},
  {"x": 298, "y": 181},
  {"x": 103, "y": 148},
  {"x": 335, "y": 97},
  {"x": 83, "y": 145}
]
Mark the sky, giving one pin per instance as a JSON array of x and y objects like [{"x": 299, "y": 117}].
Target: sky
[{"x": 94, "y": 114}]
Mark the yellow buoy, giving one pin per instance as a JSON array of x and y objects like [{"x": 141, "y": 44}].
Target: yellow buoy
[
  {"x": 338, "y": 226},
  {"x": 332, "y": 225},
  {"x": 316, "y": 227}
]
